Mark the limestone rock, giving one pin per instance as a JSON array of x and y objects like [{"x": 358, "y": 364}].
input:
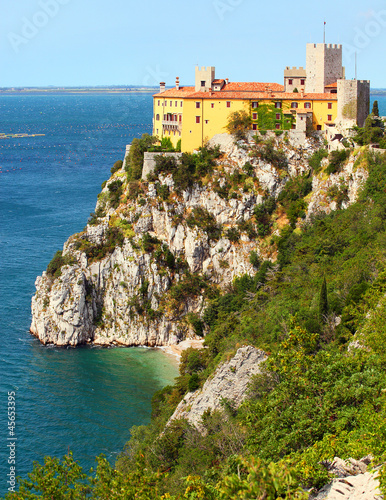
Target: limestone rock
[{"x": 230, "y": 381}]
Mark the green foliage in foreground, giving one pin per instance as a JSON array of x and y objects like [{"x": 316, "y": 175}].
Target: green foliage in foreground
[{"x": 315, "y": 399}]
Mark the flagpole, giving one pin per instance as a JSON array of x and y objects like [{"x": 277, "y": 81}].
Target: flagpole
[{"x": 324, "y": 32}]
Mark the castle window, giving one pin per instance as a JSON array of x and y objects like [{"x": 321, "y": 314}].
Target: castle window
[
  {"x": 277, "y": 105},
  {"x": 302, "y": 82},
  {"x": 171, "y": 103},
  {"x": 157, "y": 117},
  {"x": 329, "y": 105},
  {"x": 255, "y": 105},
  {"x": 329, "y": 118},
  {"x": 157, "y": 131},
  {"x": 212, "y": 105},
  {"x": 206, "y": 122},
  {"x": 318, "y": 127},
  {"x": 181, "y": 104},
  {"x": 278, "y": 116},
  {"x": 307, "y": 105},
  {"x": 290, "y": 81},
  {"x": 198, "y": 119},
  {"x": 228, "y": 104},
  {"x": 198, "y": 104},
  {"x": 202, "y": 83},
  {"x": 254, "y": 116},
  {"x": 254, "y": 126},
  {"x": 159, "y": 102},
  {"x": 176, "y": 104},
  {"x": 294, "y": 105},
  {"x": 277, "y": 126}
]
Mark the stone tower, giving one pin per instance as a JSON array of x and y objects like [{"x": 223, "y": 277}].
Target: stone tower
[
  {"x": 324, "y": 66},
  {"x": 204, "y": 78},
  {"x": 353, "y": 102}
]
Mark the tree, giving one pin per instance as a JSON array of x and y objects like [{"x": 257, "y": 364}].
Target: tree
[
  {"x": 375, "y": 110},
  {"x": 323, "y": 301},
  {"x": 239, "y": 123}
]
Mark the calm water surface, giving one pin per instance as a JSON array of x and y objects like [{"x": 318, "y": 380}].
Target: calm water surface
[{"x": 86, "y": 399}]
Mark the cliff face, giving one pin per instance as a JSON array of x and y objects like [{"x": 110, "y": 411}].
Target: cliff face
[
  {"x": 229, "y": 382},
  {"x": 139, "y": 274}
]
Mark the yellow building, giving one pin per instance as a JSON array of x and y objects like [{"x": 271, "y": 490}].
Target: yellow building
[{"x": 195, "y": 114}]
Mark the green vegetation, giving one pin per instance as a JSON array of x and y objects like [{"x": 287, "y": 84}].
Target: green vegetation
[
  {"x": 134, "y": 162},
  {"x": 267, "y": 151},
  {"x": 114, "y": 237},
  {"x": 200, "y": 217},
  {"x": 315, "y": 160},
  {"x": 190, "y": 170},
  {"x": 268, "y": 117},
  {"x": 117, "y": 166},
  {"x": 315, "y": 399},
  {"x": 372, "y": 132},
  {"x": 239, "y": 123},
  {"x": 336, "y": 161},
  {"x": 54, "y": 268}
]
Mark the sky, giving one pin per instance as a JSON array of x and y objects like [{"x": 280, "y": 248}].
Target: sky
[{"x": 126, "y": 42}]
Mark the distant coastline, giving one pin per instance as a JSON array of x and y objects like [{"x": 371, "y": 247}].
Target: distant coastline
[
  {"x": 104, "y": 89},
  {"x": 78, "y": 90}
]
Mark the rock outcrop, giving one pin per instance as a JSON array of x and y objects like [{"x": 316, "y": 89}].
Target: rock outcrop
[
  {"x": 128, "y": 277},
  {"x": 352, "y": 481},
  {"x": 229, "y": 382}
]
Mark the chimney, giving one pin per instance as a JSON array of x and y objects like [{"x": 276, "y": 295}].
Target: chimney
[
  {"x": 162, "y": 87},
  {"x": 177, "y": 83},
  {"x": 226, "y": 81}
]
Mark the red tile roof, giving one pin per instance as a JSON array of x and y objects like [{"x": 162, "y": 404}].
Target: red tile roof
[
  {"x": 253, "y": 87},
  {"x": 332, "y": 85},
  {"x": 227, "y": 94}
]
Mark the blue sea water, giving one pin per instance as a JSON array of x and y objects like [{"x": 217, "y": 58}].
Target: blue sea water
[{"x": 84, "y": 399}]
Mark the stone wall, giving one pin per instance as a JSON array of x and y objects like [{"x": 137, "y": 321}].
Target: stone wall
[
  {"x": 353, "y": 103},
  {"x": 149, "y": 162},
  {"x": 324, "y": 66}
]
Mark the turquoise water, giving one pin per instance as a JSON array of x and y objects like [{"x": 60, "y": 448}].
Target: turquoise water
[{"x": 86, "y": 399}]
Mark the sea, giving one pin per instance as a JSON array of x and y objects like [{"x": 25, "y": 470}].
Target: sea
[{"x": 87, "y": 399}]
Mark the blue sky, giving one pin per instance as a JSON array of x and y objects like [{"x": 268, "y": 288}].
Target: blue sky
[{"x": 123, "y": 42}]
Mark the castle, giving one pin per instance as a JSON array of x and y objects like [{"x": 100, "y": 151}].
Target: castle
[{"x": 316, "y": 97}]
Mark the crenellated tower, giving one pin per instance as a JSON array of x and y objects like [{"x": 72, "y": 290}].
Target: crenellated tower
[{"x": 324, "y": 66}]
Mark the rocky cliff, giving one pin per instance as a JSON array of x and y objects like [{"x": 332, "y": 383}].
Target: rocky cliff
[
  {"x": 229, "y": 382},
  {"x": 141, "y": 271}
]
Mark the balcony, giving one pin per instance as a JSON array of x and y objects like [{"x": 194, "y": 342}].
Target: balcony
[{"x": 172, "y": 125}]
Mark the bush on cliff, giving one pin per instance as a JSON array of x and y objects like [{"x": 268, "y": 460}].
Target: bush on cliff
[{"x": 134, "y": 161}]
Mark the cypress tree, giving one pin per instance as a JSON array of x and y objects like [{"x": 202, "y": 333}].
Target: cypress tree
[
  {"x": 375, "y": 110},
  {"x": 323, "y": 302}
]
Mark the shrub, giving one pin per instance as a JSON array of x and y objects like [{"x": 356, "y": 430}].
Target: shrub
[
  {"x": 336, "y": 159},
  {"x": 232, "y": 234},
  {"x": 200, "y": 217},
  {"x": 54, "y": 268},
  {"x": 117, "y": 166},
  {"x": 249, "y": 169},
  {"x": 315, "y": 160},
  {"x": 134, "y": 161},
  {"x": 115, "y": 192},
  {"x": 239, "y": 122},
  {"x": 262, "y": 213},
  {"x": 254, "y": 259},
  {"x": 194, "y": 382}
]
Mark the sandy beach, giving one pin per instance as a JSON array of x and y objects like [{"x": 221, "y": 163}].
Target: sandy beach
[{"x": 175, "y": 350}]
